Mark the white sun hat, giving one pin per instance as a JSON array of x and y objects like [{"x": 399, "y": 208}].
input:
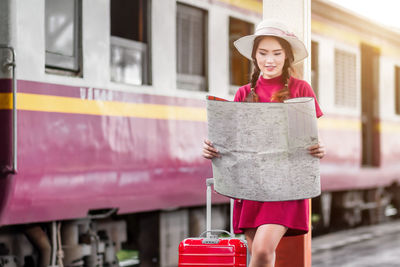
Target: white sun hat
[{"x": 272, "y": 28}]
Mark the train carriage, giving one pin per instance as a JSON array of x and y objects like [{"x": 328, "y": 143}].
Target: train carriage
[
  {"x": 355, "y": 67},
  {"x": 103, "y": 143}
]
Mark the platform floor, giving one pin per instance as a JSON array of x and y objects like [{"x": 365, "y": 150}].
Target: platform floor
[{"x": 368, "y": 246}]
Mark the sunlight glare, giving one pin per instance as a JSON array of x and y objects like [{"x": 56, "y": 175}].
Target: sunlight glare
[{"x": 385, "y": 12}]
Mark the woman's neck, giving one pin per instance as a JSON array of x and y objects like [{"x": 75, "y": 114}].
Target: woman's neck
[{"x": 274, "y": 80}]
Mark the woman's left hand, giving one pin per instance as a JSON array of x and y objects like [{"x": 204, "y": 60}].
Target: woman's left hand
[{"x": 317, "y": 150}]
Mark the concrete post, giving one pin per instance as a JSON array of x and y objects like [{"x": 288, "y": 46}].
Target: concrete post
[{"x": 296, "y": 14}]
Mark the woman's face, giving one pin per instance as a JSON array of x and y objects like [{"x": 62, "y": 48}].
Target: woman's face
[{"x": 270, "y": 57}]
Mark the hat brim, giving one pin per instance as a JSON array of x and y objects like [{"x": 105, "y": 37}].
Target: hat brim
[{"x": 245, "y": 46}]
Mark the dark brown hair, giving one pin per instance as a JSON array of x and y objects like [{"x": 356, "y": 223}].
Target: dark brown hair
[{"x": 287, "y": 69}]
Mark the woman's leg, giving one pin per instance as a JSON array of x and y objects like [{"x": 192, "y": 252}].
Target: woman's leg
[
  {"x": 264, "y": 243},
  {"x": 249, "y": 234}
]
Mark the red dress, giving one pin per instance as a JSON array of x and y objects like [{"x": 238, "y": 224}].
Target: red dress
[{"x": 293, "y": 214}]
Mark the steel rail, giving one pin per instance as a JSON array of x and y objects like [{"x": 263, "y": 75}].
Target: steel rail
[{"x": 7, "y": 65}]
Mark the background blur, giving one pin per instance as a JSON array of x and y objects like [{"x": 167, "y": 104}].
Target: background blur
[{"x": 102, "y": 119}]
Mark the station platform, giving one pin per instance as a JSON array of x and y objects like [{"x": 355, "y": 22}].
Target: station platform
[{"x": 377, "y": 245}]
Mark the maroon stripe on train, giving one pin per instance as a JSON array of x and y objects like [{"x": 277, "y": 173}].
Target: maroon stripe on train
[
  {"x": 5, "y": 150},
  {"x": 71, "y": 163},
  {"x": 5, "y": 141},
  {"x": 5, "y": 85},
  {"x": 5, "y": 132}
]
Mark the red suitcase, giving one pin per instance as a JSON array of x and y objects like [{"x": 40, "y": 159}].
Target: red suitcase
[{"x": 210, "y": 250}]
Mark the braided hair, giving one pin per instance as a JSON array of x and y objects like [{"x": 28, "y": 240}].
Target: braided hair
[{"x": 287, "y": 69}]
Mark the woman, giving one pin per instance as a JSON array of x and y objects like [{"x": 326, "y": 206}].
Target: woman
[{"x": 273, "y": 50}]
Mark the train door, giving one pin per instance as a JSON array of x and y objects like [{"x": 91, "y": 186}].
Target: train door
[{"x": 370, "y": 105}]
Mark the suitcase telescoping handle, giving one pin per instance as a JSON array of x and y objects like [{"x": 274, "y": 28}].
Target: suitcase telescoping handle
[
  {"x": 218, "y": 232},
  {"x": 212, "y": 236},
  {"x": 209, "y": 183}
]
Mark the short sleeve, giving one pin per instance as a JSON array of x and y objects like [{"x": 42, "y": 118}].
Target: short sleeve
[
  {"x": 307, "y": 91},
  {"x": 241, "y": 93}
]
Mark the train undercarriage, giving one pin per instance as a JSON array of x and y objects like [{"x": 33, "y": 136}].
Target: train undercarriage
[
  {"x": 151, "y": 238},
  {"x": 346, "y": 209}
]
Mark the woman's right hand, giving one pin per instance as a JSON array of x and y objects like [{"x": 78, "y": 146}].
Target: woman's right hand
[{"x": 209, "y": 151}]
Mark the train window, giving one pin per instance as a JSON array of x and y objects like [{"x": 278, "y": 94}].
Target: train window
[
  {"x": 191, "y": 39},
  {"x": 129, "y": 55},
  {"x": 314, "y": 67},
  {"x": 397, "y": 89},
  {"x": 345, "y": 79},
  {"x": 240, "y": 66},
  {"x": 63, "y": 30}
]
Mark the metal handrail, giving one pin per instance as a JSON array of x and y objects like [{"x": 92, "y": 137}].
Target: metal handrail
[{"x": 6, "y": 66}]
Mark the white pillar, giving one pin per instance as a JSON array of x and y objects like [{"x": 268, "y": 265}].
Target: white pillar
[{"x": 296, "y": 14}]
